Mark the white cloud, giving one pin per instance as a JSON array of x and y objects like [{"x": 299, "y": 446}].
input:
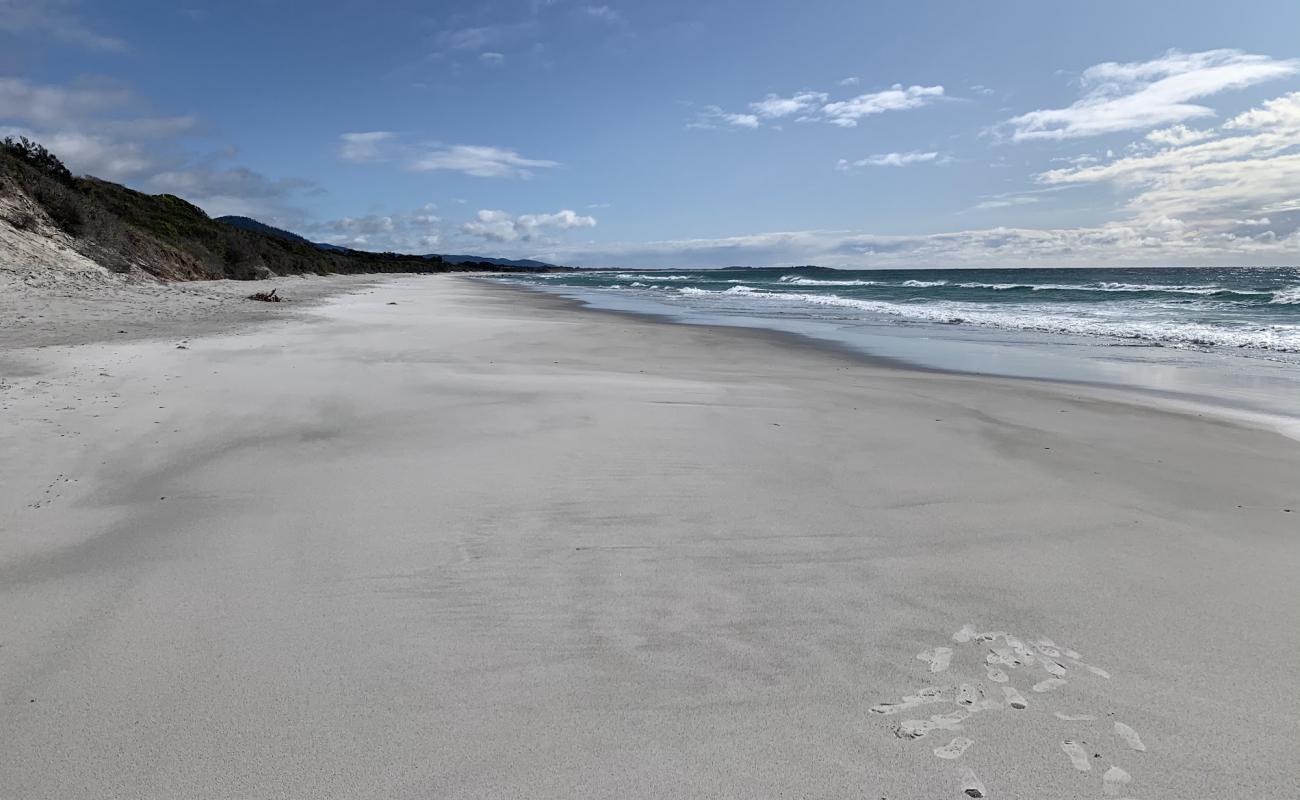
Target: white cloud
[
  {"x": 1005, "y": 202},
  {"x": 846, "y": 113},
  {"x": 812, "y": 105},
  {"x": 1177, "y": 136},
  {"x": 852, "y": 80},
  {"x": 96, "y": 128},
  {"x": 415, "y": 231},
  {"x": 501, "y": 226},
  {"x": 492, "y": 59},
  {"x": 479, "y": 160},
  {"x": 891, "y": 160},
  {"x": 774, "y": 106},
  {"x": 55, "y": 18},
  {"x": 1230, "y": 198},
  {"x": 235, "y": 190},
  {"x": 48, "y": 105},
  {"x": 714, "y": 117},
  {"x": 1117, "y": 244},
  {"x": 364, "y": 146},
  {"x": 1120, "y": 97},
  {"x": 1248, "y": 168}
]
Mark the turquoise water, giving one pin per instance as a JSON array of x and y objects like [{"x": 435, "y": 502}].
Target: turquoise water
[{"x": 1257, "y": 308}]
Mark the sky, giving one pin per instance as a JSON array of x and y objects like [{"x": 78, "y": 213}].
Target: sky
[{"x": 691, "y": 134}]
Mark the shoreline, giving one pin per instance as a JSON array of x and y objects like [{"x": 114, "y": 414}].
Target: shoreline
[
  {"x": 436, "y": 539},
  {"x": 1175, "y": 402}
]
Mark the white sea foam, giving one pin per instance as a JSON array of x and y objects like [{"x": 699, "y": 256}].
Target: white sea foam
[
  {"x": 1283, "y": 338},
  {"x": 796, "y": 280},
  {"x": 632, "y": 276},
  {"x": 1102, "y": 286},
  {"x": 1288, "y": 297}
]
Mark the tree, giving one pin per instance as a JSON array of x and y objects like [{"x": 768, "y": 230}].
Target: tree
[{"x": 36, "y": 155}]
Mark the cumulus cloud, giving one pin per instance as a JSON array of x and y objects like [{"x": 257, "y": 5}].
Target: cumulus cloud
[
  {"x": 1247, "y": 161},
  {"x": 364, "y": 146},
  {"x": 414, "y": 231},
  {"x": 891, "y": 160},
  {"x": 501, "y": 226},
  {"x": 56, "y": 18},
  {"x": 479, "y": 160},
  {"x": 1133, "y": 96},
  {"x": 1177, "y": 136}
]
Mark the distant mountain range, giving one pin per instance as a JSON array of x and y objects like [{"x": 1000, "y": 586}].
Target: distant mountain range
[{"x": 250, "y": 224}]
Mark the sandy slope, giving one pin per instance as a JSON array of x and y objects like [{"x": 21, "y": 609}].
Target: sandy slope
[{"x": 481, "y": 544}]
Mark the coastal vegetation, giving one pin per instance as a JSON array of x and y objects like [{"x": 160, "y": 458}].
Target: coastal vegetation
[{"x": 165, "y": 236}]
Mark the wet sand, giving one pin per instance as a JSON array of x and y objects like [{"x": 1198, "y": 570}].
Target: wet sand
[{"x": 484, "y": 544}]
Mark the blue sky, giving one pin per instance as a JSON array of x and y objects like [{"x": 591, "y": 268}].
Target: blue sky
[{"x": 694, "y": 133}]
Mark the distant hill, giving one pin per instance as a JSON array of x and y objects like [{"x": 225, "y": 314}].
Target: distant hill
[
  {"x": 250, "y": 224},
  {"x": 45, "y": 210},
  {"x": 523, "y": 263}
]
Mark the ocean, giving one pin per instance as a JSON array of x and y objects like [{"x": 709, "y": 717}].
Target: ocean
[
  {"x": 1229, "y": 337},
  {"x": 1257, "y": 308}
]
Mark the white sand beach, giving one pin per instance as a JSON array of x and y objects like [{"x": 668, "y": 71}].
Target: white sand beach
[{"x": 438, "y": 538}]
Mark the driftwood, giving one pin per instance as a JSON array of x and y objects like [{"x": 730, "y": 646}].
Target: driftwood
[{"x": 266, "y": 297}]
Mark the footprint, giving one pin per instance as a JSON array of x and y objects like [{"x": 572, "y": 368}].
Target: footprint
[
  {"x": 1054, "y": 668},
  {"x": 916, "y": 728},
  {"x": 939, "y": 658},
  {"x": 1113, "y": 782},
  {"x": 930, "y": 694},
  {"x": 1073, "y": 654},
  {"x": 1048, "y": 648},
  {"x": 1098, "y": 671},
  {"x": 1078, "y": 755},
  {"x": 1130, "y": 737},
  {"x": 1014, "y": 698},
  {"x": 950, "y": 721},
  {"x": 913, "y": 728},
  {"x": 1018, "y": 647},
  {"x": 967, "y": 695},
  {"x": 989, "y": 636},
  {"x": 956, "y": 747},
  {"x": 966, "y": 633},
  {"x": 996, "y": 675},
  {"x": 971, "y": 785},
  {"x": 1048, "y": 685},
  {"x": 1004, "y": 655},
  {"x": 1075, "y": 717}
]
